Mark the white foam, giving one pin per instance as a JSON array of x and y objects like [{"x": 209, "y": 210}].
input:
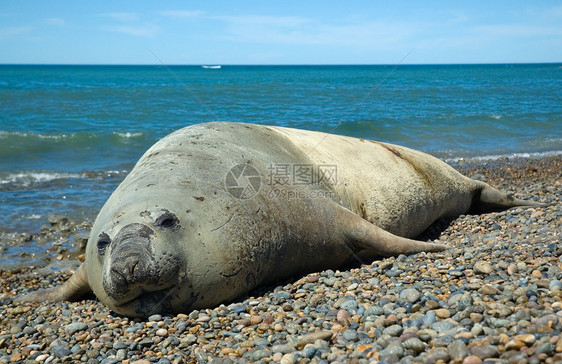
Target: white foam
[
  {"x": 27, "y": 178},
  {"x": 128, "y": 134},
  {"x": 496, "y": 157},
  {"x": 5, "y": 134}
]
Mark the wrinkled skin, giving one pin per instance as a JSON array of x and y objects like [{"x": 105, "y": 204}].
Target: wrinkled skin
[{"x": 175, "y": 236}]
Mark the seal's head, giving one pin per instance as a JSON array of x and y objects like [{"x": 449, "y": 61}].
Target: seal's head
[{"x": 134, "y": 261}]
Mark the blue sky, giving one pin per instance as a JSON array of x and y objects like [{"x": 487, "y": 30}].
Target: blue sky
[{"x": 279, "y": 32}]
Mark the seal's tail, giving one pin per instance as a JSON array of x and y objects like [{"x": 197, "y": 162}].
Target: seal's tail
[{"x": 488, "y": 198}]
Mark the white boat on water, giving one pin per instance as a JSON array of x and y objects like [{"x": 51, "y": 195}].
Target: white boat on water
[{"x": 212, "y": 67}]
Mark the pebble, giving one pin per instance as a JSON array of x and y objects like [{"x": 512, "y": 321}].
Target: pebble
[
  {"x": 60, "y": 351},
  {"x": 442, "y": 313},
  {"x": 489, "y": 290},
  {"x": 311, "y": 338},
  {"x": 411, "y": 295},
  {"x": 162, "y": 332},
  {"x": 483, "y": 267},
  {"x": 414, "y": 344},
  {"x": 472, "y": 359},
  {"x": 485, "y": 351},
  {"x": 75, "y": 327},
  {"x": 457, "y": 350},
  {"x": 494, "y": 296},
  {"x": 393, "y": 330}
]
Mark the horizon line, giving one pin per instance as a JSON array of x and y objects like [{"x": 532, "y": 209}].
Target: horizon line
[{"x": 275, "y": 64}]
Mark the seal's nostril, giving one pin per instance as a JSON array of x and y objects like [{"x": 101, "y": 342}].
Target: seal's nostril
[
  {"x": 128, "y": 271},
  {"x": 118, "y": 278},
  {"x": 135, "y": 270}
]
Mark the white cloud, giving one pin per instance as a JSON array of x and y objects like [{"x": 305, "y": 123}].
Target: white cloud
[
  {"x": 122, "y": 17},
  {"x": 265, "y": 20},
  {"x": 182, "y": 14},
  {"x": 304, "y": 31},
  {"x": 10, "y": 32},
  {"x": 501, "y": 31},
  {"x": 55, "y": 21},
  {"x": 137, "y": 31}
]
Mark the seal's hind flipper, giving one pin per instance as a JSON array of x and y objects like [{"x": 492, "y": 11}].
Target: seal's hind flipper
[
  {"x": 369, "y": 240},
  {"x": 76, "y": 286},
  {"x": 488, "y": 198}
]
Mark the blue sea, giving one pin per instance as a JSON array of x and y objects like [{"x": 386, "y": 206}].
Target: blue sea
[{"x": 70, "y": 134}]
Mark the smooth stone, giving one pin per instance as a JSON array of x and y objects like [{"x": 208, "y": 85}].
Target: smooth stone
[
  {"x": 442, "y": 326},
  {"x": 42, "y": 357},
  {"x": 237, "y": 309},
  {"x": 119, "y": 346},
  {"x": 555, "y": 285},
  {"x": 60, "y": 351},
  {"x": 308, "y": 351},
  {"x": 528, "y": 339},
  {"x": 485, "y": 351},
  {"x": 283, "y": 348},
  {"x": 121, "y": 355},
  {"x": 414, "y": 344},
  {"x": 411, "y": 295},
  {"x": 75, "y": 327},
  {"x": 92, "y": 353},
  {"x": 442, "y": 313},
  {"x": 429, "y": 318},
  {"x": 489, "y": 290},
  {"x": 435, "y": 355},
  {"x": 155, "y": 318},
  {"x": 444, "y": 340},
  {"x": 189, "y": 339},
  {"x": 350, "y": 306},
  {"x": 426, "y": 334},
  {"x": 350, "y": 335},
  {"x": 457, "y": 350},
  {"x": 546, "y": 323},
  {"x": 432, "y": 304},
  {"x": 483, "y": 267},
  {"x": 288, "y": 359},
  {"x": 397, "y": 350},
  {"x": 472, "y": 359},
  {"x": 373, "y": 311},
  {"x": 259, "y": 354},
  {"x": 453, "y": 299},
  {"x": 546, "y": 348},
  {"x": 311, "y": 338},
  {"x": 393, "y": 330}
]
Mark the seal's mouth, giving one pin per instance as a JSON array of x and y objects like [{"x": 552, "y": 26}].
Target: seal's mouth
[{"x": 146, "y": 303}]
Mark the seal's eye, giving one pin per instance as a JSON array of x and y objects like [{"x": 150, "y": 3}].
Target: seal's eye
[
  {"x": 103, "y": 242},
  {"x": 167, "y": 221}
]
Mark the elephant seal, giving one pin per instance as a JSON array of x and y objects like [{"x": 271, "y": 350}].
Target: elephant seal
[{"x": 213, "y": 210}]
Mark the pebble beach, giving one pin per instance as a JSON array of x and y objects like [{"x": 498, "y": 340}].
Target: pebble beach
[{"x": 495, "y": 296}]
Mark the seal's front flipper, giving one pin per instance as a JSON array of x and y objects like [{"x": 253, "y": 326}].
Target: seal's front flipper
[
  {"x": 369, "y": 240},
  {"x": 488, "y": 198},
  {"x": 76, "y": 286}
]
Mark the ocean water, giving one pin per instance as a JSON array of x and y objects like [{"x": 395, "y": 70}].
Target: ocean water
[{"x": 70, "y": 134}]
